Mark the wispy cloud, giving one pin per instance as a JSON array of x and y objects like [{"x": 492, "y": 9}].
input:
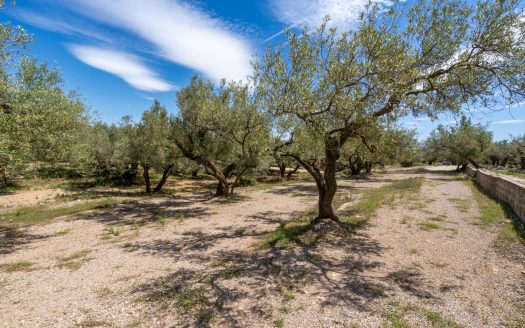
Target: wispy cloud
[
  {"x": 60, "y": 26},
  {"x": 344, "y": 14},
  {"x": 128, "y": 67},
  {"x": 181, "y": 33},
  {"x": 508, "y": 122}
]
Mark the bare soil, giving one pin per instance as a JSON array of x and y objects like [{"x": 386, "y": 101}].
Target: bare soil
[{"x": 187, "y": 260}]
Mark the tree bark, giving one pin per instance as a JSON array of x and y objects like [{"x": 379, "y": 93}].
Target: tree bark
[
  {"x": 522, "y": 163},
  {"x": 282, "y": 169},
  {"x": 368, "y": 167},
  {"x": 164, "y": 178},
  {"x": 146, "y": 178},
  {"x": 195, "y": 173},
  {"x": 329, "y": 187},
  {"x": 291, "y": 172},
  {"x": 473, "y": 162},
  {"x": 223, "y": 188}
]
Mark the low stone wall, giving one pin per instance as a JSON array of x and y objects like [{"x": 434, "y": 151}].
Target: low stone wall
[{"x": 504, "y": 188}]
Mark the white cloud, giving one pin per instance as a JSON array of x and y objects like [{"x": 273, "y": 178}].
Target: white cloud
[
  {"x": 181, "y": 33},
  {"x": 59, "y": 25},
  {"x": 344, "y": 14},
  {"x": 126, "y": 66},
  {"x": 508, "y": 122}
]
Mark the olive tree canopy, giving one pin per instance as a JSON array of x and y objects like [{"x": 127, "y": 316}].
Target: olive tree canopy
[{"x": 422, "y": 58}]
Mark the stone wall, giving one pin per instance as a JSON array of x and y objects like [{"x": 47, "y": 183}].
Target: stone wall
[{"x": 507, "y": 189}]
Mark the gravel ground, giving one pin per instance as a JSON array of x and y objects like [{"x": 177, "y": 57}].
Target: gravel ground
[{"x": 186, "y": 261}]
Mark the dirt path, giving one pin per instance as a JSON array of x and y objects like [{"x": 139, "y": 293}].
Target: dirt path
[{"x": 185, "y": 261}]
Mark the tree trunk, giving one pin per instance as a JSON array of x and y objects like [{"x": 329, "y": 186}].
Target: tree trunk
[
  {"x": 457, "y": 167},
  {"x": 282, "y": 170},
  {"x": 290, "y": 173},
  {"x": 222, "y": 188},
  {"x": 195, "y": 173},
  {"x": 473, "y": 162},
  {"x": 164, "y": 178},
  {"x": 522, "y": 163},
  {"x": 146, "y": 178},
  {"x": 329, "y": 183},
  {"x": 368, "y": 167},
  {"x": 356, "y": 166}
]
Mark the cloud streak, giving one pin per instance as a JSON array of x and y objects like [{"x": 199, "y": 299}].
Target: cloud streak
[
  {"x": 508, "y": 122},
  {"x": 60, "y": 26},
  {"x": 344, "y": 14},
  {"x": 181, "y": 33},
  {"x": 126, "y": 66}
]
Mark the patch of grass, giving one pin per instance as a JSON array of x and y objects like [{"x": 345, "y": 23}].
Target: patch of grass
[
  {"x": 159, "y": 217},
  {"x": 414, "y": 251},
  {"x": 438, "y": 320},
  {"x": 41, "y": 214},
  {"x": 372, "y": 199},
  {"x": 438, "y": 264},
  {"x": 461, "y": 204},
  {"x": 18, "y": 266},
  {"x": 437, "y": 218},
  {"x": 104, "y": 292},
  {"x": 279, "y": 323},
  {"x": 114, "y": 231},
  {"x": 239, "y": 232},
  {"x": 63, "y": 232},
  {"x": 406, "y": 220},
  {"x": 74, "y": 261},
  {"x": 428, "y": 226},
  {"x": 187, "y": 295},
  {"x": 518, "y": 322},
  {"x": 497, "y": 213},
  {"x": 520, "y": 174},
  {"x": 293, "y": 232},
  {"x": 288, "y": 296},
  {"x": 395, "y": 315}
]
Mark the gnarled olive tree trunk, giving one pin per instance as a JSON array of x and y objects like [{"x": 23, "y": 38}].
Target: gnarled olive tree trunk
[
  {"x": 325, "y": 181},
  {"x": 164, "y": 178},
  {"x": 145, "y": 174},
  {"x": 223, "y": 188}
]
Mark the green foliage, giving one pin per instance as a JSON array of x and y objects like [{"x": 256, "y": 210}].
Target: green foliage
[
  {"x": 334, "y": 86},
  {"x": 221, "y": 128},
  {"x": 462, "y": 144},
  {"x": 39, "y": 121}
]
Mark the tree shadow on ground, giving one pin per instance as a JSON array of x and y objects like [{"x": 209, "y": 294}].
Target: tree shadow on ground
[
  {"x": 129, "y": 213},
  {"x": 235, "y": 284},
  {"x": 12, "y": 239}
]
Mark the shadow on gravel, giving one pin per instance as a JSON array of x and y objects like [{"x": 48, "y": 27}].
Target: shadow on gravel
[
  {"x": 12, "y": 239},
  {"x": 128, "y": 213},
  {"x": 229, "y": 285}
]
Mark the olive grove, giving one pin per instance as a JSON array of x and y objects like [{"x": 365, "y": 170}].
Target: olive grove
[{"x": 423, "y": 59}]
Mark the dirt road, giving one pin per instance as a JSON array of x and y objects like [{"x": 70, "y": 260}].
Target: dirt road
[{"x": 188, "y": 261}]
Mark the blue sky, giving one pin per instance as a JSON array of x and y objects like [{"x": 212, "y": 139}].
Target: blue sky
[{"x": 121, "y": 54}]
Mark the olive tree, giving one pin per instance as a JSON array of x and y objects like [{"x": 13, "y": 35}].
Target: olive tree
[
  {"x": 152, "y": 146},
  {"x": 425, "y": 58},
  {"x": 222, "y": 129},
  {"x": 39, "y": 121},
  {"x": 463, "y": 143}
]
